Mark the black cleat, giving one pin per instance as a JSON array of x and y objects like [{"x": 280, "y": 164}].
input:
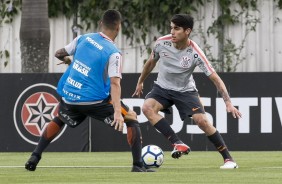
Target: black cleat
[
  {"x": 140, "y": 169},
  {"x": 32, "y": 162}
]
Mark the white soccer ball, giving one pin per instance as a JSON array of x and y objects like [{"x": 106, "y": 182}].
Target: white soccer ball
[{"x": 152, "y": 156}]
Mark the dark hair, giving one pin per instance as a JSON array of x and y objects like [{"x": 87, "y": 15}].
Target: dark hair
[
  {"x": 183, "y": 20},
  {"x": 111, "y": 19}
]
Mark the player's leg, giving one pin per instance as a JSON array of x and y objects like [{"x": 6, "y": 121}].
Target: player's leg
[
  {"x": 65, "y": 116},
  {"x": 134, "y": 138},
  {"x": 189, "y": 103},
  {"x": 215, "y": 138},
  {"x": 105, "y": 111},
  {"x": 156, "y": 101},
  {"x": 53, "y": 129}
]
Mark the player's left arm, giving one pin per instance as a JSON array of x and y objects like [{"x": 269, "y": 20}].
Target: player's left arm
[
  {"x": 224, "y": 93},
  {"x": 115, "y": 95},
  {"x": 114, "y": 73}
]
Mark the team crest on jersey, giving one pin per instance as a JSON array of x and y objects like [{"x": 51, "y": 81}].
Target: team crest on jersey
[
  {"x": 34, "y": 109},
  {"x": 186, "y": 62},
  {"x": 167, "y": 43}
]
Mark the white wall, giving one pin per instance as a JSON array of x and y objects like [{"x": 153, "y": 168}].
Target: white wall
[{"x": 263, "y": 48}]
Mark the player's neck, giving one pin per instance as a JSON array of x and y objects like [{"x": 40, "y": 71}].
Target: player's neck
[
  {"x": 182, "y": 45},
  {"x": 110, "y": 34}
]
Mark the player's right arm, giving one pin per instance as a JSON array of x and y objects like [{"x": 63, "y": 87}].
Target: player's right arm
[
  {"x": 147, "y": 69},
  {"x": 63, "y": 53}
]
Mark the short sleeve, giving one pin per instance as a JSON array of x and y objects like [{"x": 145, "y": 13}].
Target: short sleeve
[
  {"x": 70, "y": 48},
  {"x": 205, "y": 66},
  {"x": 156, "y": 50},
  {"x": 201, "y": 60},
  {"x": 115, "y": 65}
]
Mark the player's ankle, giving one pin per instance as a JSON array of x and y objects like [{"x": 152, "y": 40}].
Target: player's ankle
[
  {"x": 138, "y": 164},
  {"x": 228, "y": 160},
  {"x": 36, "y": 155},
  {"x": 178, "y": 142}
]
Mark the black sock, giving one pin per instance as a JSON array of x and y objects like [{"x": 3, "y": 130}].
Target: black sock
[
  {"x": 134, "y": 138},
  {"x": 42, "y": 145},
  {"x": 164, "y": 127},
  {"x": 218, "y": 142},
  {"x": 53, "y": 128}
]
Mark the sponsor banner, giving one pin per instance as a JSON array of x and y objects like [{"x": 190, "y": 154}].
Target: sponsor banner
[
  {"x": 29, "y": 102},
  {"x": 254, "y": 94}
]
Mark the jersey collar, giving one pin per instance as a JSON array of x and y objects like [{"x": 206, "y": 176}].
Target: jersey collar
[{"x": 106, "y": 37}]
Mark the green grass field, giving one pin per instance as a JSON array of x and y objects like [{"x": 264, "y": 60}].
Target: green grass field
[{"x": 114, "y": 167}]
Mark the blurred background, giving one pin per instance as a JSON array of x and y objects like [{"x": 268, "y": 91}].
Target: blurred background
[{"x": 236, "y": 36}]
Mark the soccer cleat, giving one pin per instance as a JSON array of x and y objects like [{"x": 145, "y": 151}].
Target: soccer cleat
[
  {"x": 179, "y": 150},
  {"x": 136, "y": 168},
  {"x": 32, "y": 162},
  {"x": 229, "y": 164}
]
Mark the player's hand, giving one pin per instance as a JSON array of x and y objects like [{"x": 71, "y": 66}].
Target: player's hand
[
  {"x": 139, "y": 90},
  {"x": 62, "y": 63},
  {"x": 118, "y": 121},
  {"x": 66, "y": 61},
  {"x": 233, "y": 110}
]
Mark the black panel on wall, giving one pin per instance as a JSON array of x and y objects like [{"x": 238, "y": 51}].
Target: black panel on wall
[{"x": 257, "y": 95}]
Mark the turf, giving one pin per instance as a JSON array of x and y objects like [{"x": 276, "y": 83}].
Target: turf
[{"x": 114, "y": 167}]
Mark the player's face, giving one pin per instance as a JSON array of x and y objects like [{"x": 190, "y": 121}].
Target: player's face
[{"x": 178, "y": 33}]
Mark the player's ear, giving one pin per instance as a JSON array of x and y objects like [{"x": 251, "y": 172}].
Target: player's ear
[
  {"x": 188, "y": 31},
  {"x": 118, "y": 27},
  {"x": 100, "y": 24}
]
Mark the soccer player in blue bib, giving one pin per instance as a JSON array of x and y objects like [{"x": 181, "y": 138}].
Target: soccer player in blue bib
[
  {"x": 91, "y": 87},
  {"x": 177, "y": 57}
]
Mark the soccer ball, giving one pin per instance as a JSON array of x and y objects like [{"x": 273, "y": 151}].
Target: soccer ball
[{"x": 152, "y": 156}]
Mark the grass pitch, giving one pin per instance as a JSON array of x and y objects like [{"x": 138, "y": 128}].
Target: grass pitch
[{"x": 114, "y": 167}]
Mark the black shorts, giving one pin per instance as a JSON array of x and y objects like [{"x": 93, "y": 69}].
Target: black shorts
[
  {"x": 187, "y": 103},
  {"x": 73, "y": 115}
]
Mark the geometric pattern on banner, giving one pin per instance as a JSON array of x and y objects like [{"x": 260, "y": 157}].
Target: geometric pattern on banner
[{"x": 34, "y": 109}]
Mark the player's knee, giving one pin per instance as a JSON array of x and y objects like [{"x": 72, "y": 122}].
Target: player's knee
[
  {"x": 131, "y": 116},
  {"x": 202, "y": 123},
  {"x": 147, "y": 109},
  {"x": 132, "y": 113}
]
